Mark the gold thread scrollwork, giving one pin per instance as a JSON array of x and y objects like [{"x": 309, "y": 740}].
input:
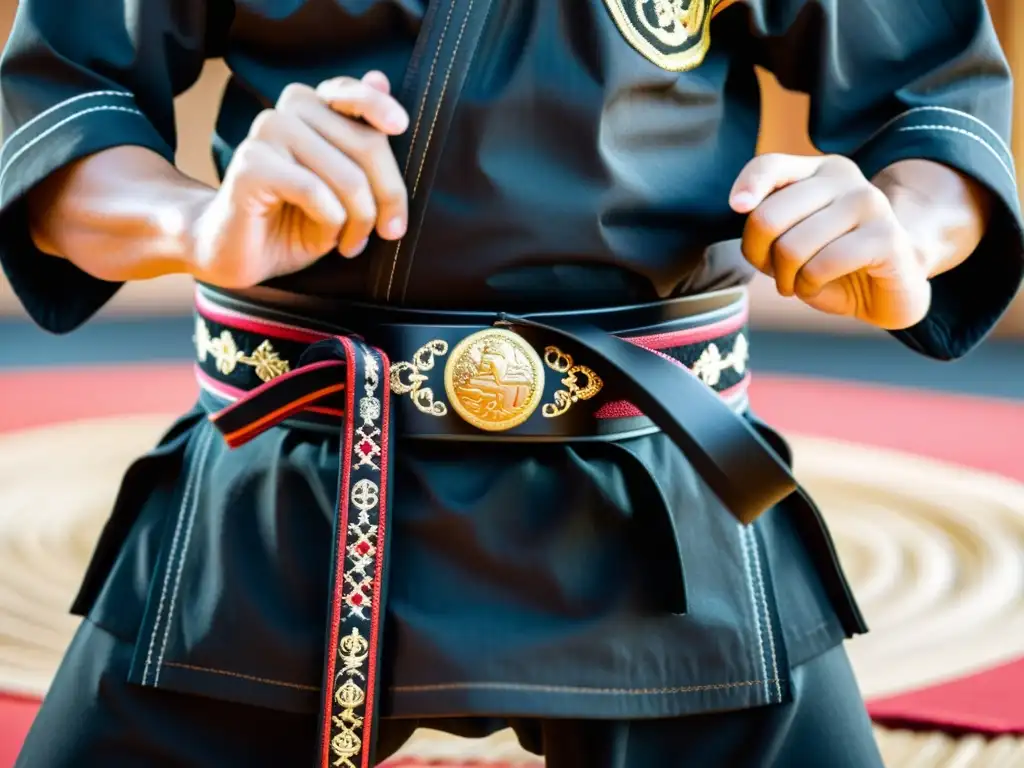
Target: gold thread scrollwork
[
  {"x": 674, "y": 34},
  {"x": 559, "y": 361},
  {"x": 346, "y": 742},
  {"x": 264, "y": 360},
  {"x": 712, "y": 363},
  {"x": 408, "y": 378}
]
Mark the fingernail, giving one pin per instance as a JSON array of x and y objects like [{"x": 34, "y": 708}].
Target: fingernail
[
  {"x": 397, "y": 120},
  {"x": 395, "y": 227},
  {"x": 356, "y": 249},
  {"x": 743, "y": 200}
]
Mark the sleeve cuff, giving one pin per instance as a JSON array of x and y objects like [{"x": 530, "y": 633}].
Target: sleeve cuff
[
  {"x": 57, "y": 295},
  {"x": 969, "y": 300}
]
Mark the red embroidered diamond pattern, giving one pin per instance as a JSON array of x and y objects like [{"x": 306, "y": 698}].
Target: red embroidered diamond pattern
[
  {"x": 367, "y": 449},
  {"x": 361, "y": 553}
]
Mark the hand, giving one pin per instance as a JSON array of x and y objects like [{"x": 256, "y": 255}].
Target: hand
[
  {"x": 315, "y": 173},
  {"x": 827, "y": 235}
]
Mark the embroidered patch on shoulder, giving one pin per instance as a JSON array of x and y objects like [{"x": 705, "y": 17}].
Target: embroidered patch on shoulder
[{"x": 674, "y": 34}]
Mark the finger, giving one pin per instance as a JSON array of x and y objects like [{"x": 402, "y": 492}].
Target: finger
[
  {"x": 341, "y": 173},
  {"x": 258, "y": 167},
  {"x": 378, "y": 80},
  {"x": 859, "y": 249},
  {"x": 369, "y": 149},
  {"x": 890, "y": 303},
  {"x": 803, "y": 241},
  {"x": 778, "y": 214},
  {"x": 838, "y": 298},
  {"x": 357, "y": 99},
  {"x": 767, "y": 173}
]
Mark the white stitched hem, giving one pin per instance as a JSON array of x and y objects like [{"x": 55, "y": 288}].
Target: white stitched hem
[
  {"x": 754, "y": 604},
  {"x": 949, "y": 111},
  {"x": 759, "y": 573},
  {"x": 204, "y": 450},
  {"x": 187, "y": 503},
  {"x": 962, "y": 132},
  {"x": 5, "y": 168},
  {"x": 56, "y": 108}
]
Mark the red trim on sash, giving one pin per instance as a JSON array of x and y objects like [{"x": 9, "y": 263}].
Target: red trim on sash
[
  {"x": 355, "y": 616},
  {"x": 383, "y": 522},
  {"x": 341, "y": 535}
]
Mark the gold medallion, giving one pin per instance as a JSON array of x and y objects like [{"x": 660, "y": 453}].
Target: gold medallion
[
  {"x": 494, "y": 379},
  {"x": 674, "y": 34}
]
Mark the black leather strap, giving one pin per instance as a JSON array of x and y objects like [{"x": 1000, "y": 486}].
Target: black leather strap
[{"x": 736, "y": 463}]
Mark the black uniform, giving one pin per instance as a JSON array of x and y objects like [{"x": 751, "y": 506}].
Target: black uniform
[{"x": 563, "y": 156}]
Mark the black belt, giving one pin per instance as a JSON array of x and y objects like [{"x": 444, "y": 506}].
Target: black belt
[{"x": 678, "y": 366}]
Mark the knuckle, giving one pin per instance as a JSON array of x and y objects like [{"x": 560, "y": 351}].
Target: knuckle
[
  {"x": 249, "y": 157},
  {"x": 764, "y": 220},
  {"x": 336, "y": 83},
  {"x": 810, "y": 278},
  {"x": 263, "y": 124},
  {"x": 365, "y": 143},
  {"x": 810, "y": 275},
  {"x": 787, "y": 251},
  {"x": 871, "y": 200},
  {"x": 293, "y": 93},
  {"x": 842, "y": 166},
  {"x": 393, "y": 197},
  {"x": 362, "y": 207}
]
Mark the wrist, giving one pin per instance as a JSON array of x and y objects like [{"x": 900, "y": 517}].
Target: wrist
[
  {"x": 944, "y": 212},
  {"x": 120, "y": 215},
  {"x": 929, "y": 249},
  {"x": 180, "y": 224}
]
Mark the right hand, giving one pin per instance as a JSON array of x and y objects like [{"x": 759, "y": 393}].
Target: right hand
[{"x": 315, "y": 173}]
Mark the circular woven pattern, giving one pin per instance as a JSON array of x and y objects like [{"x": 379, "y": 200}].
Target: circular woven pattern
[
  {"x": 933, "y": 550},
  {"x": 934, "y": 554}
]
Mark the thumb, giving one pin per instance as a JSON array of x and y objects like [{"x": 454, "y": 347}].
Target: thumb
[{"x": 767, "y": 173}]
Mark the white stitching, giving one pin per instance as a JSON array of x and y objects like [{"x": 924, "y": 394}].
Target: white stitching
[
  {"x": 764, "y": 604},
  {"x": 426, "y": 90},
  {"x": 976, "y": 137},
  {"x": 416, "y": 127},
  {"x": 57, "y": 106},
  {"x": 948, "y": 110},
  {"x": 200, "y": 463},
  {"x": 757, "y": 615},
  {"x": 28, "y": 145},
  {"x": 487, "y": 686},
  {"x": 182, "y": 509},
  {"x": 430, "y": 135}
]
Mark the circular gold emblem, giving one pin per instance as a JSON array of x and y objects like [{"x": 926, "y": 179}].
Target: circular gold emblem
[{"x": 494, "y": 379}]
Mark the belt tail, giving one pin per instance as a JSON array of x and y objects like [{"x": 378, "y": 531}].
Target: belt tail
[
  {"x": 351, "y": 684},
  {"x": 739, "y": 467}
]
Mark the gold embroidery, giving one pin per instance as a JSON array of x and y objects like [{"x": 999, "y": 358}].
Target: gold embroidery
[
  {"x": 494, "y": 379},
  {"x": 674, "y": 34},
  {"x": 558, "y": 361},
  {"x": 422, "y": 397},
  {"x": 712, "y": 363},
  {"x": 677, "y": 22},
  {"x": 353, "y": 650},
  {"x": 264, "y": 360}
]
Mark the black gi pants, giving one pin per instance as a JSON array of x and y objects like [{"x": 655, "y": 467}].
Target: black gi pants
[{"x": 94, "y": 718}]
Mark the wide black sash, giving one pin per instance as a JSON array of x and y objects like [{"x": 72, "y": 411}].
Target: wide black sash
[{"x": 348, "y": 380}]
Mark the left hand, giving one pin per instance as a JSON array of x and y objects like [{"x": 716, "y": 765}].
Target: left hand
[{"x": 829, "y": 236}]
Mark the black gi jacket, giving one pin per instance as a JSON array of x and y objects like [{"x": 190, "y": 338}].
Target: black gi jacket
[{"x": 563, "y": 154}]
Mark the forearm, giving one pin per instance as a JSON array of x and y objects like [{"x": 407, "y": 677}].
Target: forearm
[
  {"x": 945, "y": 212},
  {"x": 120, "y": 215}
]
